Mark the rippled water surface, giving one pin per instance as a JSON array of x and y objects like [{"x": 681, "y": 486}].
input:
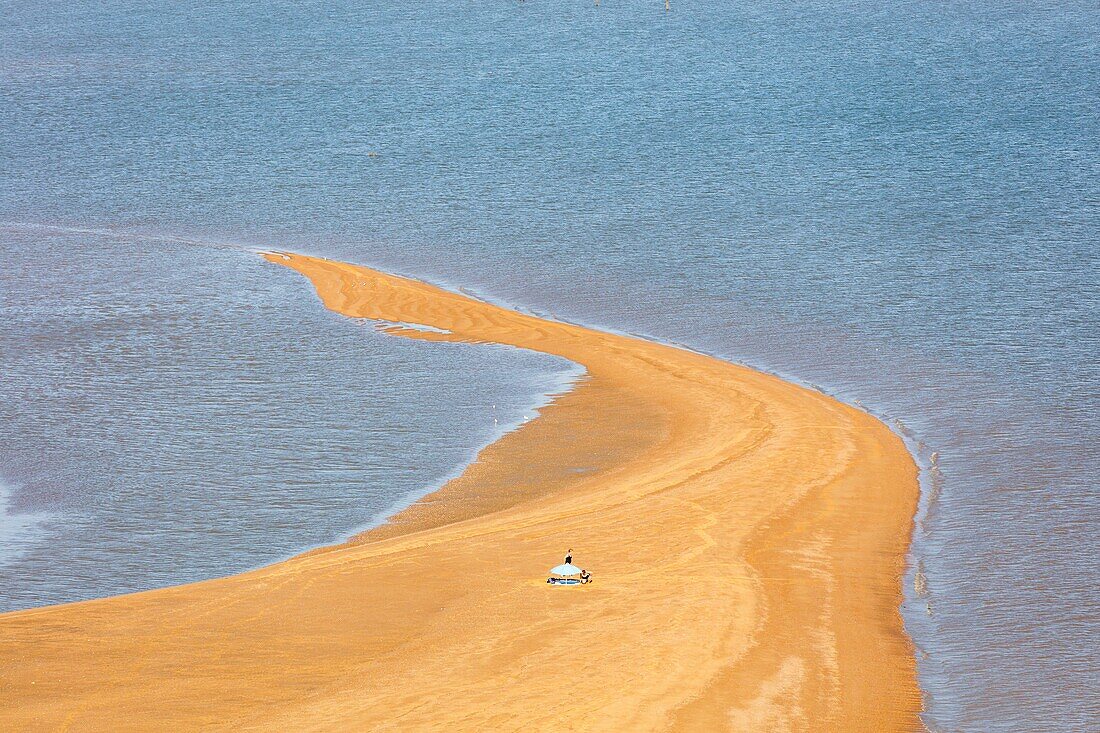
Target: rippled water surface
[
  {"x": 173, "y": 412},
  {"x": 897, "y": 202}
]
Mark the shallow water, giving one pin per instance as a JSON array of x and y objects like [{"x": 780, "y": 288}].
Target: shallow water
[
  {"x": 173, "y": 412},
  {"x": 896, "y": 202}
]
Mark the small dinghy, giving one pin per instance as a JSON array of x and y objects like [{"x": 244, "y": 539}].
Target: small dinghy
[{"x": 568, "y": 574}]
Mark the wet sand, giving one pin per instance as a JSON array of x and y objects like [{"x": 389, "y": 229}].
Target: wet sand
[{"x": 747, "y": 539}]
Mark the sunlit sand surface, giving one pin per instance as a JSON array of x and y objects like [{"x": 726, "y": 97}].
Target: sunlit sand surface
[{"x": 746, "y": 537}]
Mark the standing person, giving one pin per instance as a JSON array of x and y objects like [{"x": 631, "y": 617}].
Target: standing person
[{"x": 569, "y": 557}]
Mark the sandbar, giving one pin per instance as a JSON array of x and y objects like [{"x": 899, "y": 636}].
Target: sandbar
[{"x": 747, "y": 538}]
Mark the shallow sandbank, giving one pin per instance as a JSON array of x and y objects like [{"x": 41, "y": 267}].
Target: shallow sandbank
[{"x": 747, "y": 537}]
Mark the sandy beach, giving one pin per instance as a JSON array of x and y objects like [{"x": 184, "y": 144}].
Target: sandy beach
[{"x": 746, "y": 535}]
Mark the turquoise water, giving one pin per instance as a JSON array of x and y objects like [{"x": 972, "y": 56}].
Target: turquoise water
[{"x": 895, "y": 202}]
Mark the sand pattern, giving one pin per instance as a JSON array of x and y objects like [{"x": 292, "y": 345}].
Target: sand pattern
[{"x": 746, "y": 538}]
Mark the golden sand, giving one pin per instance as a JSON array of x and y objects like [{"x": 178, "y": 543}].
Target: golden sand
[{"x": 746, "y": 536}]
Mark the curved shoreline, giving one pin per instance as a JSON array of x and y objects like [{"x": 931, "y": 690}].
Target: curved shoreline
[{"x": 747, "y": 536}]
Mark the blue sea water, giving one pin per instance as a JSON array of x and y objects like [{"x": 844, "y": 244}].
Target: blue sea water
[
  {"x": 174, "y": 411},
  {"x": 897, "y": 202}
]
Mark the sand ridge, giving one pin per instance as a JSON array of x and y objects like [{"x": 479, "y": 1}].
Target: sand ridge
[{"x": 747, "y": 537}]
